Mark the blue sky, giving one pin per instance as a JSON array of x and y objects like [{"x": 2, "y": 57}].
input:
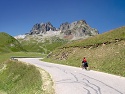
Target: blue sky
[{"x": 18, "y": 16}]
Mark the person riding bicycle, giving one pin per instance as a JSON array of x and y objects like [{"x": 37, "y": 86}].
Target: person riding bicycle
[{"x": 84, "y": 63}]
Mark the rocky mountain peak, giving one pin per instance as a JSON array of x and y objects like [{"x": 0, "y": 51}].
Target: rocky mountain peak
[
  {"x": 42, "y": 28},
  {"x": 81, "y": 22},
  {"x": 76, "y": 30}
]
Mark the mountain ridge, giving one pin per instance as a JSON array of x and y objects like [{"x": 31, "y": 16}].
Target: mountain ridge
[{"x": 75, "y": 30}]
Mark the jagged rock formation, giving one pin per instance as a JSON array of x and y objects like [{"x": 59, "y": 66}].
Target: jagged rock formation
[
  {"x": 75, "y": 30},
  {"x": 42, "y": 28},
  {"x": 78, "y": 29}
]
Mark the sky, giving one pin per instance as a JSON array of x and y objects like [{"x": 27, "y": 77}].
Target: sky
[{"x": 19, "y": 16}]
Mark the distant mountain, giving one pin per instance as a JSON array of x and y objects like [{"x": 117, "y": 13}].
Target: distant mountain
[
  {"x": 42, "y": 28},
  {"x": 75, "y": 30},
  {"x": 9, "y": 43},
  {"x": 44, "y": 37}
]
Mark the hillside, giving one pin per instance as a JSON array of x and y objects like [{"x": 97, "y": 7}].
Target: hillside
[
  {"x": 104, "y": 52},
  {"x": 9, "y": 43},
  {"x": 17, "y": 77},
  {"x": 44, "y": 45}
]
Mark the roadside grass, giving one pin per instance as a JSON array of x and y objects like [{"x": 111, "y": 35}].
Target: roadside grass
[
  {"x": 108, "y": 58},
  {"x": 21, "y": 78}
]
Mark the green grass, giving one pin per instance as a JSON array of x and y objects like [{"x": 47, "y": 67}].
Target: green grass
[
  {"x": 19, "y": 78},
  {"x": 9, "y": 44},
  {"x": 49, "y": 44},
  {"x": 107, "y": 58}
]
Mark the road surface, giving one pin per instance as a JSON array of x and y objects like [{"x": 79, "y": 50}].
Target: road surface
[{"x": 73, "y": 80}]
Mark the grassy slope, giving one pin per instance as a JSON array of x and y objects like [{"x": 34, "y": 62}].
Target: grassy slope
[
  {"x": 36, "y": 45},
  {"x": 9, "y": 44},
  {"x": 17, "y": 77},
  {"x": 104, "y": 52}
]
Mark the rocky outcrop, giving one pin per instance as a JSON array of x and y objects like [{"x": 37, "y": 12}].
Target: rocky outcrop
[
  {"x": 78, "y": 28},
  {"x": 75, "y": 30},
  {"x": 64, "y": 26},
  {"x": 42, "y": 28}
]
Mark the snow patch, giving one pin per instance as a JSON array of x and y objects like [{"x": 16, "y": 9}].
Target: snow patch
[{"x": 20, "y": 37}]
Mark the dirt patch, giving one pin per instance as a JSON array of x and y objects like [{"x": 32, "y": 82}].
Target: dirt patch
[
  {"x": 47, "y": 83},
  {"x": 2, "y": 92}
]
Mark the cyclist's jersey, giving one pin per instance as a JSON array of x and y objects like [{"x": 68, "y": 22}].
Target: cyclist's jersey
[{"x": 84, "y": 60}]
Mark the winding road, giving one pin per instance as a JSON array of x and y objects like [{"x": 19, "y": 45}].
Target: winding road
[{"x": 73, "y": 80}]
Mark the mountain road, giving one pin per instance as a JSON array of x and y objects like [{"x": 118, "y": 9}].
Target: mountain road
[{"x": 74, "y": 80}]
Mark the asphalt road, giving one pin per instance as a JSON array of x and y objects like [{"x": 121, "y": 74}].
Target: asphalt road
[{"x": 73, "y": 80}]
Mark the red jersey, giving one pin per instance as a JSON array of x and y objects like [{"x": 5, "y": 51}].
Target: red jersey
[{"x": 84, "y": 60}]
